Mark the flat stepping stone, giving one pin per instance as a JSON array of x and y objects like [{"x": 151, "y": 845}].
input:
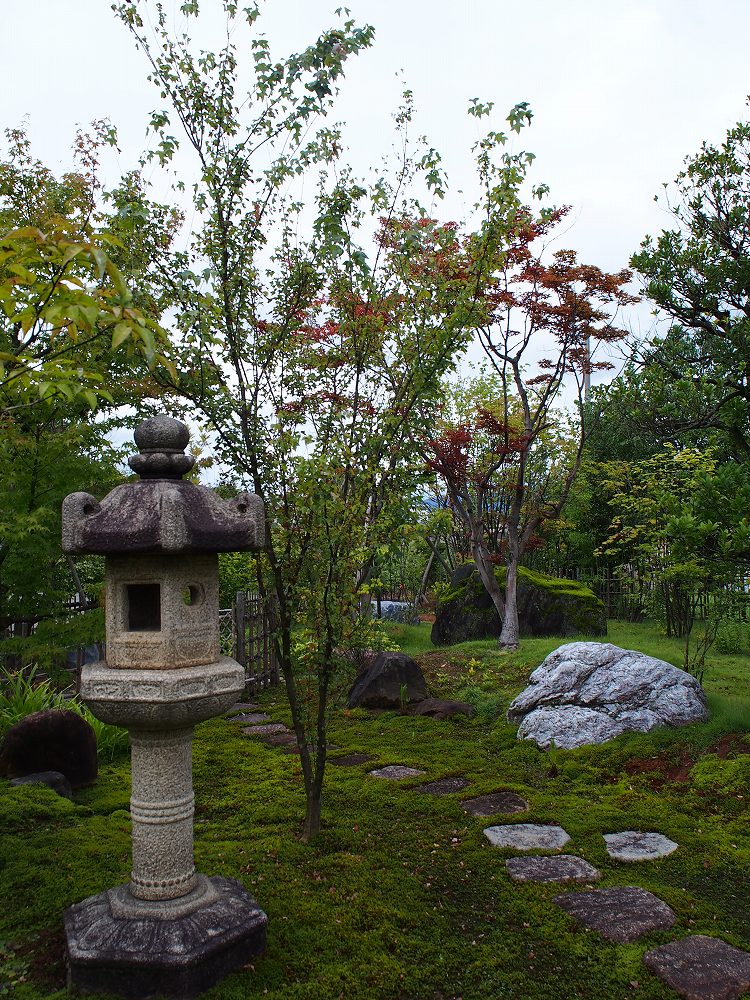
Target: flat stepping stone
[
  {"x": 352, "y": 759},
  {"x": 242, "y": 706},
  {"x": 701, "y": 968},
  {"x": 443, "y": 786},
  {"x": 495, "y": 802},
  {"x": 631, "y": 845},
  {"x": 266, "y": 730},
  {"x": 619, "y": 915},
  {"x": 283, "y": 740},
  {"x": 395, "y": 772},
  {"x": 251, "y": 718},
  {"x": 527, "y": 837},
  {"x": 558, "y": 868}
]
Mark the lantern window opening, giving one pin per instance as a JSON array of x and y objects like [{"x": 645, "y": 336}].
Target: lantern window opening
[
  {"x": 143, "y": 607},
  {"x": 193, "y": 595}
]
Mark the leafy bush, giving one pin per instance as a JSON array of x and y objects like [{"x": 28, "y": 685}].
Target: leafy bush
[
  {"x": 23, "y": 695},
  {"x": 733, "y": 636}
]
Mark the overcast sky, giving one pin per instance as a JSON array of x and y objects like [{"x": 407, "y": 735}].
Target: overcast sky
[{"x": 622, "y": 90}]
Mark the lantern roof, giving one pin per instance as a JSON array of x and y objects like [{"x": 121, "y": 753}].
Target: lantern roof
[{"x": 162, "y": 512}]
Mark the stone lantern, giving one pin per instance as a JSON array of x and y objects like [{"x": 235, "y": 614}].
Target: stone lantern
[{"x": 170, "y": 931}]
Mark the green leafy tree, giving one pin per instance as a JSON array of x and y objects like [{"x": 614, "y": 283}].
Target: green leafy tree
[
  {"x": 698, "y": 274},
  {"x": 316, "y": 359}
]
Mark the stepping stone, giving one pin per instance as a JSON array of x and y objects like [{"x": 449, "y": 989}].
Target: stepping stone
[
  {"x": 631, "y": 845},
  {"x": 701, "y": 968},
  {"x": 267, "y": 730},
  {"x": 558, "y": 868},
  {"x": 251, "y": 718},
  {"x": 242, "y": 706},
  {"x": 443, "y": 786},
  {"x": 352, "y": 759},
  {"x": 395, "y": 772},
  {"x": 619, "y": 915},
  {"x": 527, "y": 837},
  {"x": 288, "y": 748},
  {"x": 281, "y": 739},
  {"x": 495, "y": 802}
]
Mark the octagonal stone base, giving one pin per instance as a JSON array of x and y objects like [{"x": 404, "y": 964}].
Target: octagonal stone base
[{"x": 177, "y": 956}]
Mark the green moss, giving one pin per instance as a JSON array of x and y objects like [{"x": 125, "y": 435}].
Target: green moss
[{"x": 402, "y": 896}]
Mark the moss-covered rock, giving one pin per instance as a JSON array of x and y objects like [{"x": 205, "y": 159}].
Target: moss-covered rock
[{"x": 547, "y": 605}]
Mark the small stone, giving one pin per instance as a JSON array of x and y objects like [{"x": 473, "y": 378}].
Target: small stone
[
  {"x": 619, "y": 915},
  {"x": 527, "y": 837},
  {"x": 352, "y": 759},
  {"x": 495, "y": 802},
  {"x": 632, "y": 845},
  {"x": 52, "y": 779},
  {"x": 443, "y": 786},
  {"x": 558, "y": 868},
  {"x": 285, "y": 739},
  {"x": 267, "y": 730},
  {"x": 701, "y": 968},
  {"x": 242, "y": 706},
  {"x": 251, "y": 718},
  {"x": 395, "y": 772}
]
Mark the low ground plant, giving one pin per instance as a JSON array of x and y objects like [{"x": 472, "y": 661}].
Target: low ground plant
[{"x": 402, "y": 896}]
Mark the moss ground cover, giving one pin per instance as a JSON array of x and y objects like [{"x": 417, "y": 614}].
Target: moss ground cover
[{"x": 402, "y": 897}]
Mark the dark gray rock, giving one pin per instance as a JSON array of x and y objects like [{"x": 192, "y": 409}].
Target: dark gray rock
[
  {"x": 52, "y": 779},
  {"x": 146, "y": 956},
  {"x": 560, "y": 868},
  {"x": 56, "y": 739},
  {"x": 249, "y": 718},
  {"x": 351, "y": 759},
  {"x": 440, "y": 708},
  {"x": 495, "y": 802},
  {"x": 546, "y": 606},
  {"x": 443, "y": 786},
  {"x": 701, "y": 968},
  {"x": 392, "y": 680},
  {"x": 620, "y": 915},
  {"x": 591, "y": 692},
  {"x": 396, "y": 611}
]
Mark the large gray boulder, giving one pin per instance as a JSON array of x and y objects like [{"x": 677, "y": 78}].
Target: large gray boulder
[{"x": 591, "y": 692}]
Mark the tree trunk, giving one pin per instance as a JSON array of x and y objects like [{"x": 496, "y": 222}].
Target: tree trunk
[
  {"x": 509, "y": 636},
  {"x": 486, "y": 570},
  {"x": 311, "y": 828}
]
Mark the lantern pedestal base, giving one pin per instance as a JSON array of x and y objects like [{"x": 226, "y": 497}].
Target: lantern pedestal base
[{"x": 175, "y": 949}]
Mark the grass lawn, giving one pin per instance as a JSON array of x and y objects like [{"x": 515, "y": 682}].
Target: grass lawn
[{"x": 402, "y": 896}]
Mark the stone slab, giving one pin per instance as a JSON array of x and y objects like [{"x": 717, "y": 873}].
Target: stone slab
[
  {"x": 249, "y": 718},
  {"x": 395, "y": 772},
  {"x": 352, "y": 759},
  {"x": 632, "y": 845},
  {"x": 444, "y": 786},
  {"x": 146, "y": 956},
  {"x": 269, "y": 729},
  {"x": 558, "y": 868},
  {"x": 495, "y": 802},
  {"x": 55, "y": 780},
  {"x": 620, "y": 915},
  {"x": 242, "y": 706},
  {"x": 701, "y": 968},
  {"x": 284, "y": 740},
  {"x": 527, "y": 837}
]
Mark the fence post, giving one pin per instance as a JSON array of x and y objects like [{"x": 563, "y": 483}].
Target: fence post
[{"x": 239, "y": 629}]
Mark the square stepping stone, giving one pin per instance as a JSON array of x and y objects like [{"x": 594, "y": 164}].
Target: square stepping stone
[
  {"x": 351, "y": 759},
  {"x": 701, "y": 968},
  {"x": 251, "y": 718},
  {"x": 527, "y": 837},
  {"x": 632, "y": 845},
  {"x": 619, "y": 915},
  {"x": 443, "y": 786},
  {"x": 558, "y": 868},
  {"x": 495, "y": 802},
  {"x": 395, "y": 772},
  {"x": 283, "y": 740},
  {"x": 242, "y": 706},
  {"x": 267, "y": 730}
]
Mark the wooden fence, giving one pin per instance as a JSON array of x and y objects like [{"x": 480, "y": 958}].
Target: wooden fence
[{"x": 246, "y": 634}]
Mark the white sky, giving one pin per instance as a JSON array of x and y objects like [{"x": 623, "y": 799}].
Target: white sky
[{"x": 621, "y": 90}]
